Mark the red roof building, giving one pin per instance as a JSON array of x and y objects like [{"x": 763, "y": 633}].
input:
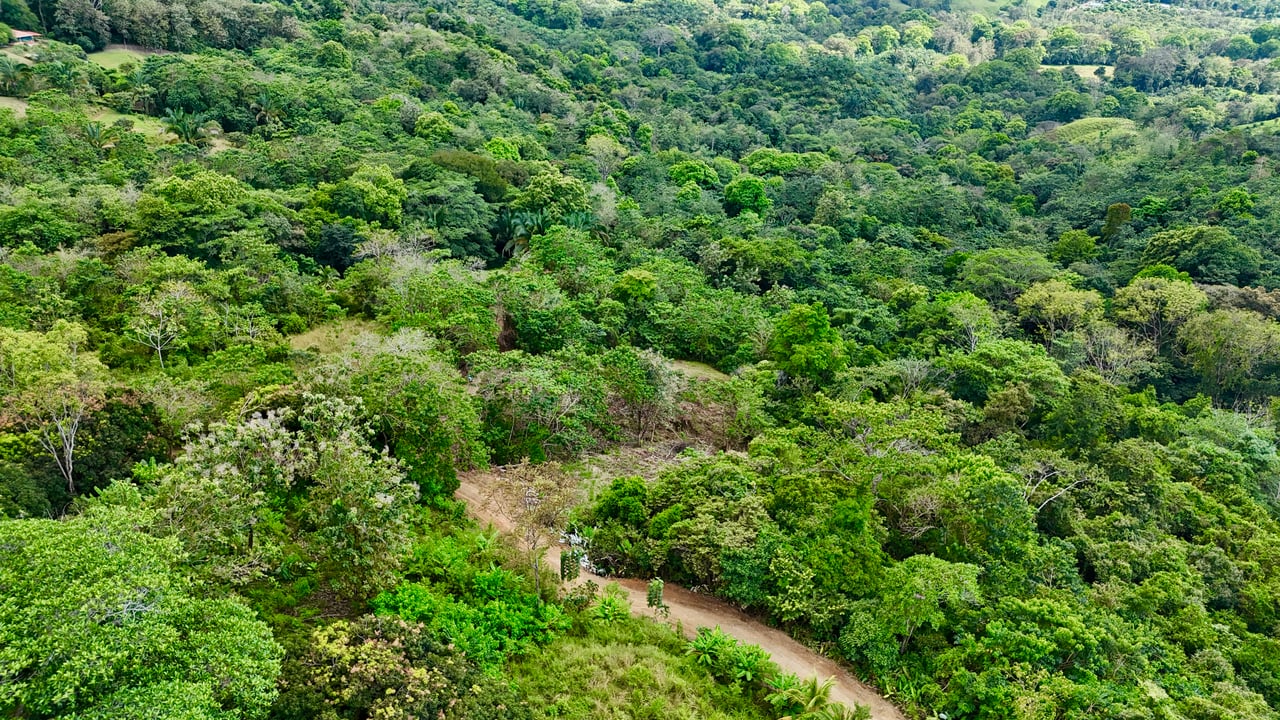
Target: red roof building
[{"x": 25, "y": 36}]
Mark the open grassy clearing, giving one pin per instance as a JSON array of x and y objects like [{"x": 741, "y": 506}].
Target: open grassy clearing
[
  {"x": 113, "y": 56},
  {"x": 332, "y": 337},
  {"x": 17, "y": 53},
  {"x": 1085, "y": 71},
  {"x": 992, "y": 8},
  {"x": 697, "y": 370},
  {"x": 629, "y": 669},
  {"x": 1094, "y": 130},
  {"x": 17, "y": 105},
  {"x": 149, "y": 126},
  {"x": 144, "y": 124}
]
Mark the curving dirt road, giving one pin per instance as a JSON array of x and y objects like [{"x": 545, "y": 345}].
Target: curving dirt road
[{"x": 693, "y": 611}]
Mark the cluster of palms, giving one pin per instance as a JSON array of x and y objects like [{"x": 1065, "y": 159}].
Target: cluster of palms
[
  {"x": 517, "y": 227},
  {"x": 810, "y": 700},
  {"x": 189, "y": 127},
  {"x": 14, "y": 75}
]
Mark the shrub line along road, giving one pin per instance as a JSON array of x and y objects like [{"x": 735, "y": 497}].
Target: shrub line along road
[{"x": 692, "y": 610}]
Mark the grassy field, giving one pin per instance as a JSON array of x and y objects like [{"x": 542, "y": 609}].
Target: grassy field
[
  {"x": 1084, "y": 71},
  {"x": 992, "y": 8},
  {"x": 1091, "y": 130},
  {"x": 17, "y": 105},
  {"x": 17, "y": 53},
  {"x": 113, "y": 56},
  {"x": 631, "y": 669},
  {"x": 144, "y": 124},
  {"x": 332, "y": 337},
  {"x": 697, "y": 370},
  {"x": 1272, "y": 124}
]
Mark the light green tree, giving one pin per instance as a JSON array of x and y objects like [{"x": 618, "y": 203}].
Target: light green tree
[
  {"x": 746, "y": 192},
  {"x": 806, "y": 346},
  {"x": 49, "y": 383},
  {"x": 918, "y": 591},
  {"x": 606, "y": 152},
  {"x": 1228, "y": 346},
  {"x": 98, "y": 623},
  {"x": 1056, "y": 307},
  {"x": 1156, "y": 307}
]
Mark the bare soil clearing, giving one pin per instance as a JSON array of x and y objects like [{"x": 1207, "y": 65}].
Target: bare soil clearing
[{"x": 690, "y": 611}]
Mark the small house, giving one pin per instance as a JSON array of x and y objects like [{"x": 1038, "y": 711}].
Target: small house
[{"x": 25, "y": 37}]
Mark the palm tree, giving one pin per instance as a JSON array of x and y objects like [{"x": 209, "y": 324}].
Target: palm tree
[
  {"x": 520, "y": 227},
  {"x": 188, "y": 126},
  {"x": 266, "y": 109},
  {"x": 13, "y": 75},
  {"x": 98, "y": 135},
  {"x": 809, "y": 696},
  {"x": 64, "y": 76},
  {"x": 810, "y": 700}
]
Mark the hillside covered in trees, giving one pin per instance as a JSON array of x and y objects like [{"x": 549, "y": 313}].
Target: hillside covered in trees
[{"x": 943, "y": 335}]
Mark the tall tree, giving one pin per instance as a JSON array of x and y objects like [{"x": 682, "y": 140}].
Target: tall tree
[{"x": 49, "y": 383}]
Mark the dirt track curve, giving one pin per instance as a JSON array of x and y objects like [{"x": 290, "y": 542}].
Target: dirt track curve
[{"x": 693, "y": 611}]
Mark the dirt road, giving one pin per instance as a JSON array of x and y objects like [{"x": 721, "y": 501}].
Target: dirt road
[{"x": 693, "y": 611}]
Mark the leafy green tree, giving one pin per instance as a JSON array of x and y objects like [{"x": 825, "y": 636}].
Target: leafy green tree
[
  {"x": 50, "y": 383},
  {"x": 371, "y": 193},
  {"x": 805, "y": 345},
  {"x": 433, "y": 127},
  {"x": 1198, "y": 119},
  {"x": 746, "y": 192},
  {"x": 1227, "y": 347},
  {"x": 1055, "y": 307},
  {"x": 919, "y": 591},
  {"x": 1075, "y": 246},
  {"x": 42, "y": 223},
  {"x": 332, "y": 54},
  {"x": 1236, "y": 202},
  {"x": 100, "y": 623},
  {"x": 557, "y": 194},
  {"x": 1067, "y": 105},
  {"x": 1210, "y": 254},
  {"x": 1156, "y": 307},
  {"x": 696, "y": 171},
  {"x": 420, "y": 407},
  {"x": 999, "y": 275},
  {"x": 444, "y": 299},
  {"x": 997, "y": 364}
]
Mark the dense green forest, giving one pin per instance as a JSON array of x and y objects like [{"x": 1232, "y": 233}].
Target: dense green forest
[{"x": 960, "y": 318}]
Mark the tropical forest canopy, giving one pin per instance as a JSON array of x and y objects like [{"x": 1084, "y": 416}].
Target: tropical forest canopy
[{"x": 963, "y": 313}]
